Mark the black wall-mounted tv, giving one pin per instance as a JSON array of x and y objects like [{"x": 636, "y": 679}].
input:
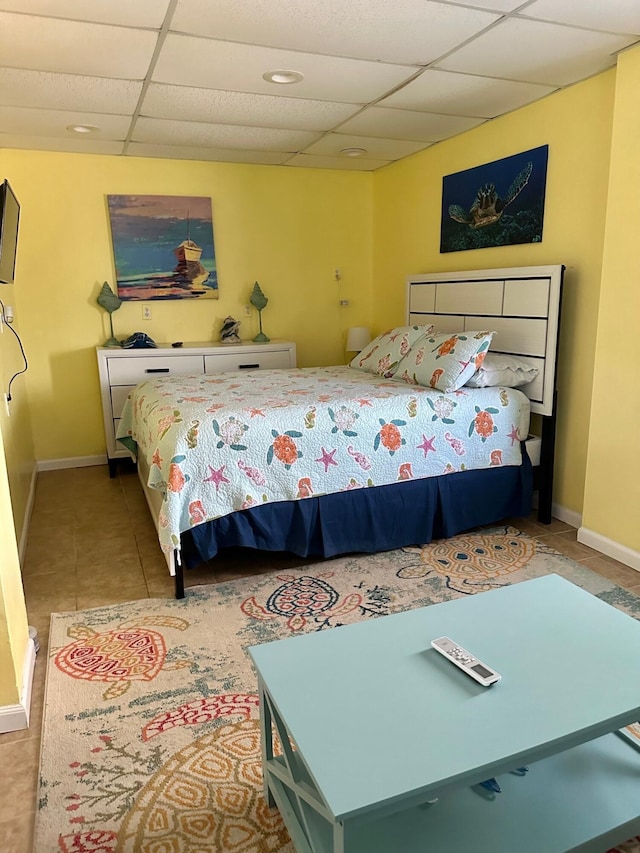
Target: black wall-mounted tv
[{"x": 9, "y": 219}]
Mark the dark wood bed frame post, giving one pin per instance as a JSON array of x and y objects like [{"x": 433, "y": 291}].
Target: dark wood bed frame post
[
  {"x": 548, "y": 443},
  {"x": 547, "y": 457},
  {"x": 179, "y": 576}
]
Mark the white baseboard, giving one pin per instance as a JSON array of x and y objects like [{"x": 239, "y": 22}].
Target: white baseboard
[
  {"x": 569, "y": 516},
  {"x": 607, "y": 546},
  {"x": 13, "y": 718},
  {"x": 22, "y": 545},
  {"x": 71, "y": 462},
  {"x": 595, "y": 540}
]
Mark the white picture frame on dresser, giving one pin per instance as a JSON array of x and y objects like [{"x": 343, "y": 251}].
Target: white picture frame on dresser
[{"x": 120, "y": 370}]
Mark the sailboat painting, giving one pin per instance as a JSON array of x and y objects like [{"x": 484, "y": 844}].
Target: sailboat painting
[{"x": 163, "y": 247}]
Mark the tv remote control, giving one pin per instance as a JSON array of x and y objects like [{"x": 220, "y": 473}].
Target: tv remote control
[{"x": 463, "y": 659}]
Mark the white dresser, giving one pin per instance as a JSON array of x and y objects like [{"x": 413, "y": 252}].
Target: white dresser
[{"x": 122, "y": 369}]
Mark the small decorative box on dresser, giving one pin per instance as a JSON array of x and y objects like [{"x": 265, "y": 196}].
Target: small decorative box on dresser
[{"x": 122, "y": 369}]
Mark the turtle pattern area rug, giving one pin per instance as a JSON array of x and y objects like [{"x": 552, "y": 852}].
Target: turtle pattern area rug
[{"x": 150, "y": 733}]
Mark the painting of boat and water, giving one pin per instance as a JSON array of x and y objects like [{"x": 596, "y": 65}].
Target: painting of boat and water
[{"x": 163, "y": 247}]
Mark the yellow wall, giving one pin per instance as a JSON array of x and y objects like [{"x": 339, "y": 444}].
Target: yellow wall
[
  {"x": 16, "y": 470},
  {"x": 15, "y": 425},
  {"x": 287, "y": 228},
  {"x": 13, "y": 617},
  {"x": 576, "y": 124},
  {"x": 612, "y": 496}
]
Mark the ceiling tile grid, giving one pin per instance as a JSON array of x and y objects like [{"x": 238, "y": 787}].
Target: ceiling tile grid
[
  {"x": 403, "y": 31},
  {"x": 373, "y": 81}
]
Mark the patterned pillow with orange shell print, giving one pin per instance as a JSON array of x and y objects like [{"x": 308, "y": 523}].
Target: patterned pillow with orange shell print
[
  {"x": 385, "y": 352},
  {"x": 444, "y": 360}
]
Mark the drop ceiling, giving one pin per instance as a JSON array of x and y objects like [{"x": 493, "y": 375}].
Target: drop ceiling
[{"x": 381, "y": 79}]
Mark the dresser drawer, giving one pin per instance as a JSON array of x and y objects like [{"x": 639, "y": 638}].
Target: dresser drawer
[
  {"x": 223, "y": 362},
  {"x": 130, "y": 371}
]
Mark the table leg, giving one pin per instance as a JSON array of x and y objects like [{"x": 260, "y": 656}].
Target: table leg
[
  {"x": 288, "y": 785},
  {"x": 266, "y": 742}
]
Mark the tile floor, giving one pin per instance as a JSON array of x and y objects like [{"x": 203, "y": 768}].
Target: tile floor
[{"x": 92, "y": 542}]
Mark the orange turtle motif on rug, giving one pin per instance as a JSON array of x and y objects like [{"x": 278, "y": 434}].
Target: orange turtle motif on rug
[
  {"x": 474, "y": 562},
  {"x": 207, "y": 796},
  {"x": 128, "y": 653}
]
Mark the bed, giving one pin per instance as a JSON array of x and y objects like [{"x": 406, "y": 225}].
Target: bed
[{"x": 322, "y": 461}]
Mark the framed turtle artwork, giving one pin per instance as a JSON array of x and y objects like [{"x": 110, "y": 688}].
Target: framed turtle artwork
[{"x": 497, "y": 204}]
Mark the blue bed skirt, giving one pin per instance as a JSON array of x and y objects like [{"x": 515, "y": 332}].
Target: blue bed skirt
[{"x": 412, "y": 512}]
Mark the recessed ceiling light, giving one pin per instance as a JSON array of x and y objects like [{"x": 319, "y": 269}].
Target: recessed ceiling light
[
  {"x": 283, "y": 76},
  {"x": 83, "y": 128},
  {"x": 353, "y": 152}
]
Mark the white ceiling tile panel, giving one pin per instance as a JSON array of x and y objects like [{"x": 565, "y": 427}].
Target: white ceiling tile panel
[
  {"x": 67, "y": 91},
  {"x": 407, "y": 124},
  {"x": 26, "y": 120},
  {"x": 491, "y": 5},
  {"x": 189, "y": 61},
  {"x": 403, "y": 31},
  {"x": 621, "y": 16},
  {"x": 226, "y": 155},
  {"x": 220, "y": 135},
  {"x": 140, "y": 13},
  {"x": 353, "y": 164},
  {"x": 49, "y": 44},
  {"x": 209, "y": 105},
  {"x": 555, "y": 55},
  {"x": 54, "y": 143},
  {"x": 464, "y": 95},
  {"x": 376, "y": 148}
]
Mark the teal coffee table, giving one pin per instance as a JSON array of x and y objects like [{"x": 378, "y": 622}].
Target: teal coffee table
[{"x": 375, "y": 723}]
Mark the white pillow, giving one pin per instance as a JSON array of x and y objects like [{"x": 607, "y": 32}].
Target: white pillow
[{"x": 507, "y": 370}]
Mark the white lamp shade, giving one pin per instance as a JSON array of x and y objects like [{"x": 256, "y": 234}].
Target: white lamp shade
[{"x": 357, "y": 338}]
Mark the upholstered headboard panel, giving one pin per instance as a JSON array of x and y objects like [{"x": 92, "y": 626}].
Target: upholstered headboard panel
[{"x": 522, "y": 304}]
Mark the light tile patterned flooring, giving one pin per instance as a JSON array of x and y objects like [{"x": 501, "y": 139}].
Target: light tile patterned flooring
[{"x": 92, "y": 542}]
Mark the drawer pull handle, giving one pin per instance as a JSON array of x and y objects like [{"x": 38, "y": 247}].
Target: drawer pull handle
[
  {"x": 248, "y": 366},
  {"x": 156, "y": 370}
]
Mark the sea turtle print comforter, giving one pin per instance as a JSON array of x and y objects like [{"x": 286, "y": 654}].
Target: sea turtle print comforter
[{"x": 220, "y": 443}]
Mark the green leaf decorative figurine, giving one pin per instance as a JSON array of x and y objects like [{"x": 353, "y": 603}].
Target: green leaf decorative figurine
[
  {"x": 108, "y": 300},
  {"x": 259, "y": 301}
]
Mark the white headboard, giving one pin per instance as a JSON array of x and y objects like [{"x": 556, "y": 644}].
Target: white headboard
[{"x": 522, "y": 304}]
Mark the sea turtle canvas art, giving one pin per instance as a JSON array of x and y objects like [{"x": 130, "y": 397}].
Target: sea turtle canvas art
[
  {"x": 488, "y": 207},
  {"x": 497, "y": 204}
]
